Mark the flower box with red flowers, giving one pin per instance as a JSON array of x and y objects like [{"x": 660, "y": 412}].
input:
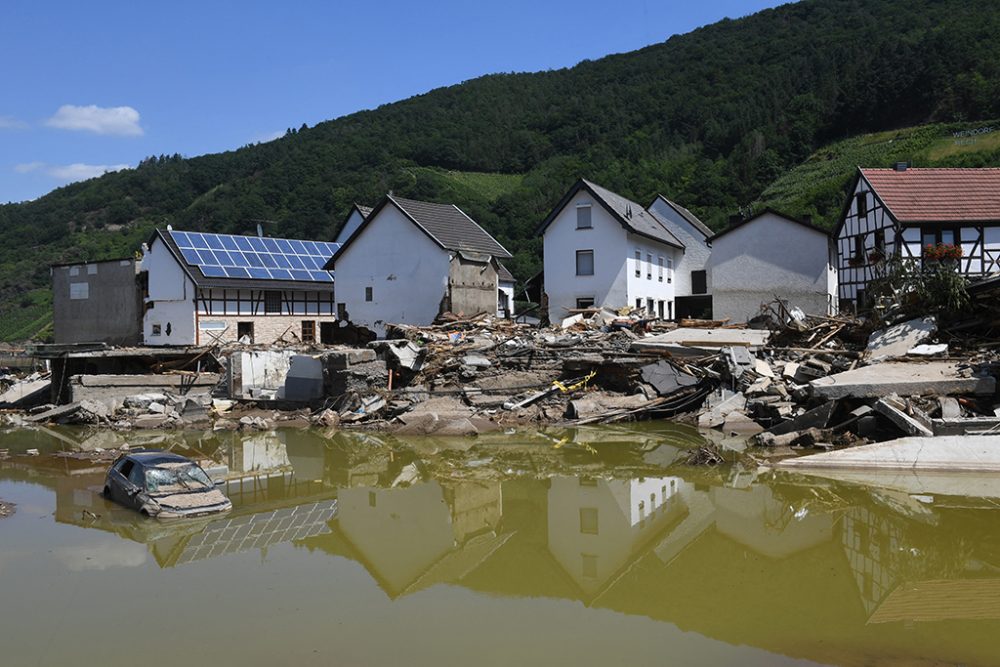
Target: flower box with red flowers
[{"x": 942, "y": 252}]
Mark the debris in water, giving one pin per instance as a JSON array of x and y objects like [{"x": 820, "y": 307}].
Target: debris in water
[{"x": 705, "y": 455}]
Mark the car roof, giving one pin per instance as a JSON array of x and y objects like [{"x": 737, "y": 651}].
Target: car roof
[{"x": 155, "y": 458}]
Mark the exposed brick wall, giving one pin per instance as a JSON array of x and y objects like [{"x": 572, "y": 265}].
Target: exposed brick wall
[{"x": 266, "y": 328}]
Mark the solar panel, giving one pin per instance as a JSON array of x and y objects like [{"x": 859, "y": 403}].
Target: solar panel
[{"x": 229, "y": 256}]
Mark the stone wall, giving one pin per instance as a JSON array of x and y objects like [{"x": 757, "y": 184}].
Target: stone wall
[{"x": 267, "y": 329}]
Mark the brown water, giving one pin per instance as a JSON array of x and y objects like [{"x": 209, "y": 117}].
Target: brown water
[{"x": 565, "y": 548}]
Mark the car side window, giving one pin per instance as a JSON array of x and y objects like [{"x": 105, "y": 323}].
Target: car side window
[
  {"x": 137, "y": 476},
  {"x": 125, "y": 467}
]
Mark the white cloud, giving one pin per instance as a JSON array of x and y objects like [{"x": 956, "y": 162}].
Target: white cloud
[
  {"x": 81, "y": 172},
  {"x": 69, "y": 173},
  {"x": 11, "y": 123},
  {"x": 122, "y": 121},
  {"x": 268, "y": 136},
  {"x": 26, "y": 167}
]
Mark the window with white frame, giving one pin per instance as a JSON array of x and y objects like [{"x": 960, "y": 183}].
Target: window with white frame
[
  {"x": 638, "y": 263},
  {"x": 670, "y": 270},
  {"x": 584, "y": 262},
  {"x": 583, "y": 220},
  {"x": 649, "y": 266},
  {"x": 660, "y": 264}
]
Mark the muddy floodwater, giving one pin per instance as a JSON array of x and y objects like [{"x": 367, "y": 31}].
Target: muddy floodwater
[{"x": 586, "y": 547}]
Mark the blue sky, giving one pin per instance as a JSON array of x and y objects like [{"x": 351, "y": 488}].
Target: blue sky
[{"x": 91, "y": 86}]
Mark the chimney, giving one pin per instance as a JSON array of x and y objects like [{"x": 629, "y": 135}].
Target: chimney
[
  {"x": 901, "y": 166},
  {"x": 735, "y": 219}
]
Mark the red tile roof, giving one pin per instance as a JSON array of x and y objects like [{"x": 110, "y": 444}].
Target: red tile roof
[{"x": 938, "y": 195}]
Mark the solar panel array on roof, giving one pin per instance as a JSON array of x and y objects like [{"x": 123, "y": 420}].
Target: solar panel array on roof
[{"x": 228, "y": 256}]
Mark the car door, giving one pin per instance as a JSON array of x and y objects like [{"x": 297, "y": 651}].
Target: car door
[
  {"x": 135, "y": 486},
  {"x": 118, "y": 482}
]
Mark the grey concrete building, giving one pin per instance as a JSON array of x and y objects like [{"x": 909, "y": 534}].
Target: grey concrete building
[{"x": 96, "y": 302}]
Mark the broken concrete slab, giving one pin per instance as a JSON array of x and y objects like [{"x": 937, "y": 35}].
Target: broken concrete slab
[
  {"x": 718, "y": 410},
  {"x": 25, "y": 393},
  {"x": 950, "y": 409},
  {"x": 941, "y": 453},
  {"x": 905, "y": 379},
  {"x": 401, "y": 354},
  {"x": 705, "y": 338},
  {"x": 897, "y": 340},
  {"x": 476, "y": 361},
  {"x": 599, "y": 404},
  {"x": 903, "y": 421},
  {"x": 938, "y": 350}
]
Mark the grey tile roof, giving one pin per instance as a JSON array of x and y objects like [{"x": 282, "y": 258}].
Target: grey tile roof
[
  {"x": 450, "y": 227},
  {"x": 504, "y": 274},
  {"x": 633, "y": 215},
  {"x": 689, "y": 216},
  {"x": 365, "y": 211}
]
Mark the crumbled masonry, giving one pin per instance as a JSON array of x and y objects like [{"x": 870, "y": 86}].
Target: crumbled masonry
[{"x": 787, "y": 381}]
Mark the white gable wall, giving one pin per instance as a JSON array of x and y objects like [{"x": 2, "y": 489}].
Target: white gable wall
[
  {"x": 696, "y": 249},
  {"x": 606, "y": 237},
  {"x": 172, "y": 297},
  {"x": 354, "y": 221},
  {"x": 766, "y": 258},
  {"x": 407, "y": 271}
]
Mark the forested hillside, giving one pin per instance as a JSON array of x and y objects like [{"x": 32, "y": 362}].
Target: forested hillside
[{"x": 711, "y": 119}]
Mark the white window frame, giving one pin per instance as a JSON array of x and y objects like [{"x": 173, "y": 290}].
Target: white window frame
[
  {"x": 584, "y": 252},
  {"x": 590, "y": 216}
]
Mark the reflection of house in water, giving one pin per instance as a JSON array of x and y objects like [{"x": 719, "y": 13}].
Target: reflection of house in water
[
  {"x": 595, "y": 526},
  {"x": 411, "y": 537}
]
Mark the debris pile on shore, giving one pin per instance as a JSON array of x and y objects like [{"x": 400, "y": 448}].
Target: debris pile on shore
[{"x": 787, "y": 380}]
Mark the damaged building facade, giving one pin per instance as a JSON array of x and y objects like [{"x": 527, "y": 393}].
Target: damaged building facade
[
  {"x": 410, "y": 261},
  {"x": 204, "y": 289},
  {"x": 96, "y": 302},
  {"x": 917, "y": 213}
]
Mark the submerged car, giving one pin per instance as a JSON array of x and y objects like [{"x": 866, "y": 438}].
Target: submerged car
[{"x": 163, "y": 485}]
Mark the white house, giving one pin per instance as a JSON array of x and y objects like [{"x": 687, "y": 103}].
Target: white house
[
  {"x": 899, "y": 212},
  {"x": 690, "y": 277},
  {"x": 411, "y": 261},
  {"x": 355, "y": 217},
  {"x": 768, "y": 256},
  {"x": 201, "y": 289},
  {"x": 601, "y": 249},
  {"x": 505, "y": 297}
]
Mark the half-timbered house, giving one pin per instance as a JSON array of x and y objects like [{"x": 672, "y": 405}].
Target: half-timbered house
[
  {"x": 903, "y": 211},
  {"x": 201, "y": 289}
]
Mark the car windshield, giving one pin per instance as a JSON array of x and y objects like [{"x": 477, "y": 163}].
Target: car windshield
[{"x": 184, "y": 476}]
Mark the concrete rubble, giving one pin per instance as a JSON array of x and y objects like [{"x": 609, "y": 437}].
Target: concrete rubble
[{"x": 787, "y": 381}]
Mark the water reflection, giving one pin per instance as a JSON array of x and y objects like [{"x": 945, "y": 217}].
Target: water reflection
[{"x": 827, "y": 560}]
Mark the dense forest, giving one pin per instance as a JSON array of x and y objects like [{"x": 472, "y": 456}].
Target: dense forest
[{"x": 712, "y": 119}]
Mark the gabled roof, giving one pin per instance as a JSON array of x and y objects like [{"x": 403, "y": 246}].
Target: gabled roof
[
  {"x": 770, "y": 211},
  {"x": 632, "y": 216},
  {"x": 198, "y": 277},
  {"x": 938, "y": 195},
  {"x": 365, "y": 211},
  {"x": 504, "y": 274},
  {"x": 446, "y": 224},
  {"x": 687, "y": 215}
]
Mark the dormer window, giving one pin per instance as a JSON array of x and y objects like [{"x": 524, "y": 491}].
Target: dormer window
[{"x": 583, "y": 220}]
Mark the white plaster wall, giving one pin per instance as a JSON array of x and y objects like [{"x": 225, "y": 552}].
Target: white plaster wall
[
  {"x": 561, "y": 241},
  {"x": 621, "y": 525},
  {"x": 173, "y": 296},
  {"x": 647, "y": 285},
  {"x": 354, "y": 221},
  {"x": 696, "y": 248},
  {"x": 767, "y": 258},
  {"x": 408, "y": 273},
  {"x": 508, "y": 289}
]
